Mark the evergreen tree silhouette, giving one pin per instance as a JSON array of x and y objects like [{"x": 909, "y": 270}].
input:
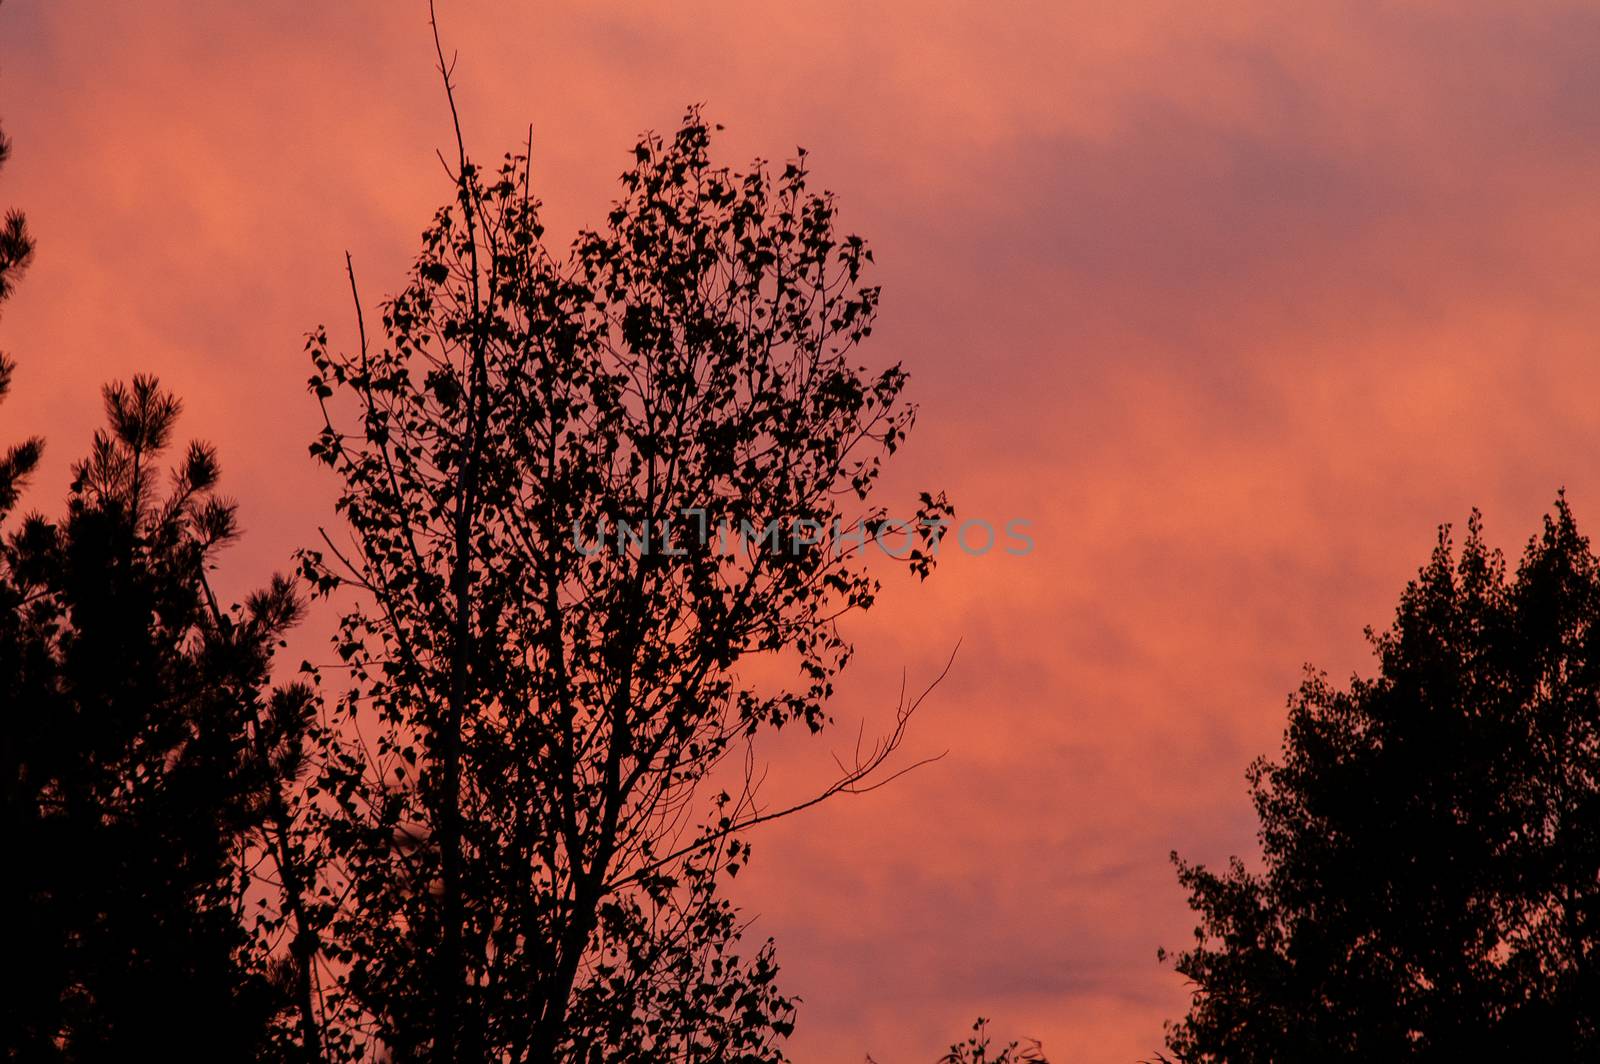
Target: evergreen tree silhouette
[
  {"x": 1430, "y": 838},
  {"x": 16, "y": 244},
  {"x": 134, "y": 785},
  {"x": 142, "y": 749},
  {"x": 16, "y": 251}
]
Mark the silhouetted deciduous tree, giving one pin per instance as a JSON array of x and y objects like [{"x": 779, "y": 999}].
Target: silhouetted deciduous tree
[
  {"x": 1430, "y": 886},
  {"x": 540, "y": 786}
]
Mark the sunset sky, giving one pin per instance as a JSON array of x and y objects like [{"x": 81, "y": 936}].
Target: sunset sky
[{"x": 1236, "y": 302}]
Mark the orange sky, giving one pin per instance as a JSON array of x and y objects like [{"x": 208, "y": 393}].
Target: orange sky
[{"x": 1236, "y": 302}]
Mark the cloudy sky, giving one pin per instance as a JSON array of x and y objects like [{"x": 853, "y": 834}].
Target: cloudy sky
[{"x": 1236, "y": 302}]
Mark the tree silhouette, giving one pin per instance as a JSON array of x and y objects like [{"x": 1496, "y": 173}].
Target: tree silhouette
[
  {"x": 16, "y": 244},
  {"x": 1430, "y": 886},
  {"x": 16, "y": 251},
  {"x": 139, "y": 746},
  {"x": 537, "y": 781},
  {"x": 134, "y": 784}
]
